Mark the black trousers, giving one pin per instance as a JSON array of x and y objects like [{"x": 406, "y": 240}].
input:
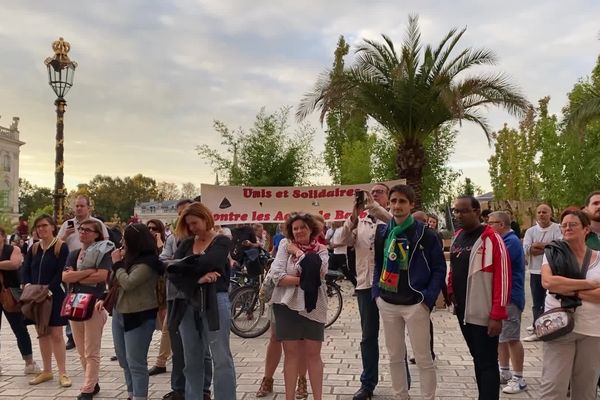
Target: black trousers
[{"x": 484, "y": 350}]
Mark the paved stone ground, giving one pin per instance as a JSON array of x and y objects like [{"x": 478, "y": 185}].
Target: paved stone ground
[{"x": 340, "y": 355}]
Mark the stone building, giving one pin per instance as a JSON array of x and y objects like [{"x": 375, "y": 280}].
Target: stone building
[
  {"x": 165, "y": 211},
  {"x": 9, "y": 169}
]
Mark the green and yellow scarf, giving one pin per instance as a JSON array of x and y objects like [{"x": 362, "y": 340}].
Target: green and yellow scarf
[{"x": 395, "y": 256}]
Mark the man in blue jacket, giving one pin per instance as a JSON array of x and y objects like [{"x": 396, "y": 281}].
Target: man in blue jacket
[
  {"x": 409, "y": 274},
  {"x": 510, "y": 346}
]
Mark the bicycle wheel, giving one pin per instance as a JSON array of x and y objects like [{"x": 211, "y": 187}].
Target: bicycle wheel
[
  {"x": 249, "y": 315},
  {"x": 334, "y": 303}
]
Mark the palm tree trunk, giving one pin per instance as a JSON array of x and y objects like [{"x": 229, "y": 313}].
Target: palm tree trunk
[{"x": 410, "y": 161}]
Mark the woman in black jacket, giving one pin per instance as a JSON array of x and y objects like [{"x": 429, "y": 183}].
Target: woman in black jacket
[{"x": 206, "y": 272}]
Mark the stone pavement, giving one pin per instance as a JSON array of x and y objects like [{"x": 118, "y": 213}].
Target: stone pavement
[{"x": 340, "y": 355}]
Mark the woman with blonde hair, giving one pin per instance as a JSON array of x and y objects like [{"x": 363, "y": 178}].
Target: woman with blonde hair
[
  {"x": 204, "y": 273},
  {"x": 43, "y": 265}
]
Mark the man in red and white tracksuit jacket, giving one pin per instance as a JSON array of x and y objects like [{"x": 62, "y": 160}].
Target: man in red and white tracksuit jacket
[{"x": 479, "y": 286}]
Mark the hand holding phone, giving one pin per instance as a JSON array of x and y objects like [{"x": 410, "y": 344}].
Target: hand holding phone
[{"x": 359, "y": 198}]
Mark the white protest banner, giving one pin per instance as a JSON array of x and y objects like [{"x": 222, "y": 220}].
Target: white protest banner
[{"x": 248, "y": 204}]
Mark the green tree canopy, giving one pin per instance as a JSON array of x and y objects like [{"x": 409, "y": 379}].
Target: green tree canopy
[
  {"x": 413, "y": 91},
  {"x": 269, "y": 154},
  {"x": 32, "y": 197}
]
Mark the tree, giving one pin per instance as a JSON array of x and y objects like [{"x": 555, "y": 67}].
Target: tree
[
  {"x": 119, "y": 196},
  {"x": 586, "y": 108},
  {"x": 268, "y": 155},
  {"x": 189, "y": 191},
  {"x": 168, "y": 191},
  {"x": 32, "y": 197},
  {"x": 438, "y": 176},
  {"x": 412, "y": 93},
  {"x": 346, "y": 139}
]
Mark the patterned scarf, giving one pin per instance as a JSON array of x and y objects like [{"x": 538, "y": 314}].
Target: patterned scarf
[
  {"x": 395, "y": 255},
  {"x": 312, "y": 246}
]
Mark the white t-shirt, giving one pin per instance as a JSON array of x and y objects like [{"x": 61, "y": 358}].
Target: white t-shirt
[
  {"x": 338, "y": 238},
  {"x": 586, "y": 315},
  {"x": 538, "y": 234}
]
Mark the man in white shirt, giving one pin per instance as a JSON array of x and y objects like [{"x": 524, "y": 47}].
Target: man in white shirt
[
  {"x": 360, "y": 231},
  {"x": 535, "y": 239},
  {"x": 68, "y": 230}
]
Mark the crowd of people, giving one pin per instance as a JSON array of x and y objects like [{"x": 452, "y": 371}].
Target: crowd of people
[{"x": 71, "y": 278}]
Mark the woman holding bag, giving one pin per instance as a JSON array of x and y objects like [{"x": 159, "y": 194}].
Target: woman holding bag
[
  {"x": 86, "y": 271},
  {"x": 43, "y": 265},
  {"x": 10, "y": 261},
  {"x": 575, "y": 356}
]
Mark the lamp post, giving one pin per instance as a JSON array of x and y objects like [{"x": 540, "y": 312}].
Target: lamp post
[{"x": 60, "y": 77}]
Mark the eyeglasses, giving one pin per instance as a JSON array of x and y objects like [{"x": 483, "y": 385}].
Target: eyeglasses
[
  {"x": 494, "y": 222},
  {"x": 378, "y": 191},
  {"x": 570, "y": 225},
  {"x": 153, "y": 228},
  {"x": 86, "y": 230}
]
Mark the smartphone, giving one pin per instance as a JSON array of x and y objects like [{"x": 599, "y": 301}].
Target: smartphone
[
  {"x": 70, "y": 224},
  {"x": 360, "y": 197}
]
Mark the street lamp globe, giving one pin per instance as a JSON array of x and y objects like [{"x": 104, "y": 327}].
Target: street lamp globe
[{"x": 61, "y": 69}]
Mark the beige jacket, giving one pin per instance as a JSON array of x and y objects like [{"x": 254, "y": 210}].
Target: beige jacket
[{"x": 362, "y": 236}]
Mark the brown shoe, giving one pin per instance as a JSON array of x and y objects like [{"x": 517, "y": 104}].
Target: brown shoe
[
  {"x": 266, "y": 387},
  {"x": 301, "y": 388}
]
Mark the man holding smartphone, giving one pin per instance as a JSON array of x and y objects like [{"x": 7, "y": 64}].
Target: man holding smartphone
[
  {"x": 68, "y": 234},
  {"x": 369, "y": 212}
]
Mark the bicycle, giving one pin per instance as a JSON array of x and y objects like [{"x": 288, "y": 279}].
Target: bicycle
[{"x": 250, "y": 316}]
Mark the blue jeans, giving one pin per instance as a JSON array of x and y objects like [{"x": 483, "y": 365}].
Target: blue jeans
[
  {"x": 131, "y": 348},
  {"x": 218, "y": 342},
  {"x": 369, "y": 343},
  {"x": 177, "y": 376},
  {"x": 538, "y": 295},
  {"x": 194, "y": 334}
]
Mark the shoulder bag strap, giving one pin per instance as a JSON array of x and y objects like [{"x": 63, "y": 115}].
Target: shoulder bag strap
[{"x": 586, "y": 262}]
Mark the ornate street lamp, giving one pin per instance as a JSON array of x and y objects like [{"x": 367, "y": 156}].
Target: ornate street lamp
[{"x": 60, "y": 77}]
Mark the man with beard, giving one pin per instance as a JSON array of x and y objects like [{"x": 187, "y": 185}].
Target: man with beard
[
  {"x": 479, "y": 287},
  {"x": 536, "y": 237},
  {"x": 592, "y": 208}
]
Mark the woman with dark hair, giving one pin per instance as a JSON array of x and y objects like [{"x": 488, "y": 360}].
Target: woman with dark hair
[
  {"x": 136, "y": 269},
  {"x": 43, "y": 265},
  {"x": 300, "y": 301},
  {"x": 157, "y": 229},
  {"x": 205, "y": 325},
  {"x": 571, "y": 274},
  {"x": 10, "y": 262},
  {"x": 86, "y": 271}
]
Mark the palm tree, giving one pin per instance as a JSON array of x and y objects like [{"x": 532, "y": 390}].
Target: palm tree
[
  {"x": 413, "y": 92},
  {"x": 585, "y": 111}
]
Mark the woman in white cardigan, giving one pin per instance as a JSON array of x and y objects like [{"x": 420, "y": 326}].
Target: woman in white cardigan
[{"x": 300, "y": 300}]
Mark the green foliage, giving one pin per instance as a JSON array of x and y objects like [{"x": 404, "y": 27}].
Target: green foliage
[
  {"x": 168, "y": 191},
  {"x": 438, "y": 176},
  {"x": 119, "y": 196},
  {"x": 268, "y": 155},
  {"x": 355, "y": 161},
  {"x": 7, "y": 223},
  {"x": 413, "y": 91},
  {"x": 32, "y": 197},
  {"x": 48, "y": 210}
]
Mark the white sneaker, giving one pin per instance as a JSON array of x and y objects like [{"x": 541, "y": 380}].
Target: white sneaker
[
  {"x": 505, "y": 376},
  {"x": 515, "y": 385},
  {"x": 32, "y": 369},
  {"x": 530, "y": 330},
  {"x": 531, "y": 338}
]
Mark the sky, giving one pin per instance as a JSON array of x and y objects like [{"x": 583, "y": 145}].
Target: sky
[{"x": 153, "y": 75}]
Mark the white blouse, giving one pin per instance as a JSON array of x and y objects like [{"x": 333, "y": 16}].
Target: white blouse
[{"x": 293, "y": 296}]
